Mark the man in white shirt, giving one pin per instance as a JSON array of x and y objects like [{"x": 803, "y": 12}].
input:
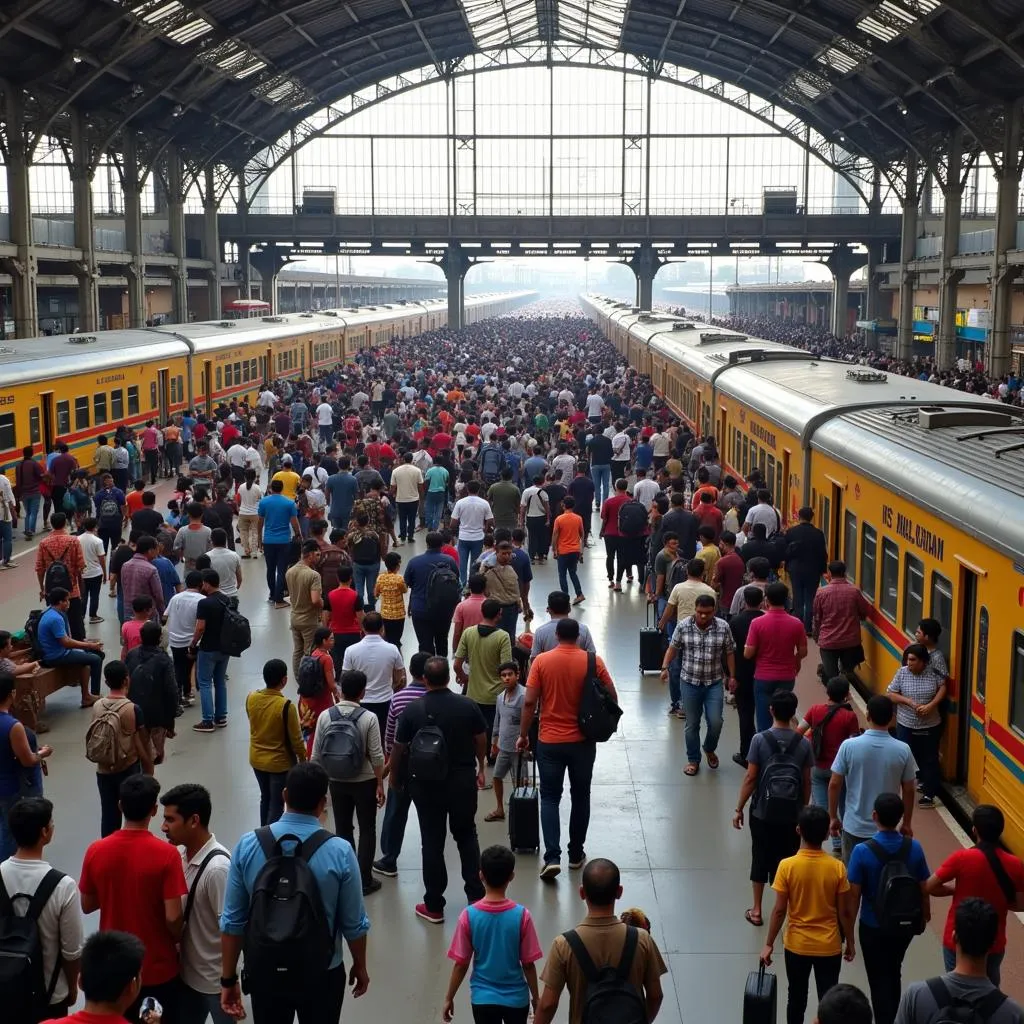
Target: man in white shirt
[
  {"x": 227, "y": 563},
  {"x": 645, "y": 490},
  {"x": 253, "y": 459},
  {"x": 472, "y": 517},
  {"x": 8, "y": 510},
  {"x": 325, "y": 421},
  {"x": 620, "y": 453},
  {"x": 516, "y": 389},
  {"x": 181, "y": 624},
  {"x": 59, "y": 919},
  {"x": 267, "y": 399},
  {"x": 564, "y": 464},
  {"x": 406, "y": 489},
  {"x": 382, "y": 664},
  {"x": 762, "y": 512},
  {"x": 661, "y": 446},
  {"x": 206, "y": 863},
  {"x": 487, "y": 429},
  {"x": 595, "y": 407},
  {"x": 94, "y": 575}
]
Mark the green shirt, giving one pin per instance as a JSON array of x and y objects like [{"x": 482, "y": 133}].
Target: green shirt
[
  {"x": 436, "y": 478},
  {"x": 485, "y": 651}
]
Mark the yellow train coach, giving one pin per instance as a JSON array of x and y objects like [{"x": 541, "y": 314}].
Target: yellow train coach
[{"x": 919, "y": 489}]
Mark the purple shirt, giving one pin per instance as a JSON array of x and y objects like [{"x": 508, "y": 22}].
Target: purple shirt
[{"x": 139, "y": 577}]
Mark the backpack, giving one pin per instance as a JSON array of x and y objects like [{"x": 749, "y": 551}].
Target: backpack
[
  {"x": 235, "y": 634},
  {"x": 609, "y": 998},
  {"x": 107, "y": 745},
  {"x": 897, "y": 902},
  {"x": 25, "y": 992},
  {"x": 287, "y": 943},
  {"x": 310, "y": 681},
  {"x": 492, "y": 461},
  {"x": 57, "y": 573},
  {"x": 676, "y": 575},
  {"x": 950, "y": 1010},
  {"x": 632, "y": 518},
  {"x": 599, "y": 714},
  {"x": 109, "y": 510},
  {"x": 780, "y": 787},
  {"x": 817, "y": 736},
  {"x": 428, "y": 753},
  {"x": 32, "y": 633},
  {"x": 68, "y": 502},
  {"x": 332, "y": 558},
  {"x": 444, "y": 591},
  {"x": 343, "y": 750}
]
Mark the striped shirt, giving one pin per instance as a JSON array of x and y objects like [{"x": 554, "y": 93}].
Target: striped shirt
[{"x": 399, "y": 702}]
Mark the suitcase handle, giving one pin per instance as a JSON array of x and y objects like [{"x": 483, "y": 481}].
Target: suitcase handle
[{"x": 519, "y": 769}]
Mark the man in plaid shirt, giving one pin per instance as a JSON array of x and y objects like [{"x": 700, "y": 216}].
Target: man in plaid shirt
[{"x": 702, "y": 643}]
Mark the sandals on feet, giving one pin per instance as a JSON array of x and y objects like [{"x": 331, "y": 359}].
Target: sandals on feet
[
  {"x": 691, "y": 769},
  {"x": 712, "y": 759},
  {"x": 495, "y": 816}
]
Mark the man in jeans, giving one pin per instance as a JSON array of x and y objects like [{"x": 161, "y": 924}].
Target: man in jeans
[
  {"x": 555, "y": 681},
  {"x": 59, "y": 648},
  {"x": 278, "y": 524},
  {"x": 838, "y": 609},
  {"x": 777, "y": 644},
  {"x": 211, "y": 661},
  {"x": 472, "y": 517},
  {"x": 700, "y": 641}
]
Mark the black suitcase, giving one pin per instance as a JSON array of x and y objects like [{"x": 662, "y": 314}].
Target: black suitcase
[
  {"x": 760, "y": 997},
  {"x": 652, "y": 644},
  {"x": 524, "y": 811}
]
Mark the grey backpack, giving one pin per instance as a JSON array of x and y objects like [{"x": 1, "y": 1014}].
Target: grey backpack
[{"x": 343, "y": 751}]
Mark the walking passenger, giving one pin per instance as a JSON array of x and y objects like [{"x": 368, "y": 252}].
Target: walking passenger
[
  {"x": 838, "y": 609},
  {"x": 777, "y": 644},
  {"x": 918, "y": 693}
]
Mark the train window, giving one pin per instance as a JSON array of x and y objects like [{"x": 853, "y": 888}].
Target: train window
[
  {"x": 753, "y": 456},
  {"x": 35, "y": 433},
  {"x": 1017, "y": 691},
  {"x": 116, "y": 406},
  {"x": 152, "y": 394},
  {"x": 913, "y": 593},
  {"x": 63, "y": 417},
  {"x": 174, "y": 389},
  {"x": 254, "y": 373},
  {"x": 850, "y": 546},
  {"x": 133, "y": 401},
  {"x": 220, "y": 378},
  {"x": 227, "y": 376},
  {"x": 744, "y": 455},
  {"x": 238, "y": 373},
  {"x": 181, "y": 388},
  {"x": 245, "y": 372},
  {"x": 942, "y": 610},
  {"x": 99, "y": 409},
  {"x": 7, "y": 438},
  {"x": 868, "y": 561},
  {"x": 982, "y": 676},
  {"x": 737, "y": 456},
  {"x": 889, "y": 597},
  {"x": 82, "y": 412}
]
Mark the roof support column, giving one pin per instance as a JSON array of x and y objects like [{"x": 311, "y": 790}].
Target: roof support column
[
  {"x": 269, "y": 263},
  {"x": 22, "y": 267},
  {"x": 908, "y": 276},
  {"x": 645, "y": 264},
  {"x": 176, "y": 229},
  {"x": 87, "y": 272},
  {"x": 949, "y": 276},
  {"x": 455, "y": 264},
  {"x": 136, "y": 268},
  {"x": 211, "y": 242},
  {"x": 842, "y": 263},
  {"x": 1003, "y": 275}
]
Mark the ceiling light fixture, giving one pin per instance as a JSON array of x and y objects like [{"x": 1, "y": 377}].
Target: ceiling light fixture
[
  {"x": 177, "y": 111},
  {"x": 76, "y": 57},
  {"x": 136, "y": 89}
]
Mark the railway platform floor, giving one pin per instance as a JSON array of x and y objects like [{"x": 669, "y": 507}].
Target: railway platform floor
[{"x": 671, "y": 836}]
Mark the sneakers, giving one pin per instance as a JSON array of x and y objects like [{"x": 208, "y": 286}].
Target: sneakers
[
  {"x": 95, "y": 618},
  {"x": 372, "y": 886},
  {"x": 220, "y": 723},
  {"x": 672, "y": 709},
  {"x": 927, "y": 802},
  {"x": 578, "y": 862},
  {"x": 680, "y": 714},
  {"x": 550, "y": 871},
  {"x": 204, "y": 727},
  {"x": 430, "y": 916},
  {"x": 382, "y": 867}
]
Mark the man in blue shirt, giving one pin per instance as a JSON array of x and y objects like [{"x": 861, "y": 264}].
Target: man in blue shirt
[
  {"x": 431, "y": 624},
  {"x": 278, "y": 523},
  {"x": 883, "y": 952},
  {"x": 336, "y": 870},
  {"x": 59, "y": 648},
  {"x": 342, "y": 490}
]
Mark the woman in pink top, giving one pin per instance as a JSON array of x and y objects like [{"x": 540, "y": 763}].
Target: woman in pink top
[{"x": 777, "y": 644}]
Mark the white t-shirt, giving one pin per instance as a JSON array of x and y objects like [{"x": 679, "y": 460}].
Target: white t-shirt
[
  {"x": 324, "y": 415},
  {"x": 595, "y": 405},
  {"x": 6, "y": 499},
  {"x": 486, "y": 430},
  {"x": 661, "y": 445},
  {"x": 378, "y": 659},
  {"x": 532, "y": 502},
  {"x": 645, "y": 491},
  {"x": 565, "y": 467},
  {"x": 620, "y": 447},
  {"x": 249, "y": 499},
  {"x": 472, "y": 512},
  {"x": 181, "y": 617},
  {"x": 237, "y": 454},
  {"x": 267, "y": 399},
  {"x": 92, "y": 548},
  {"x": 407, "y": 479},
  {"x": 60, "y": 923},
  {"x": 226, "y": 563}
]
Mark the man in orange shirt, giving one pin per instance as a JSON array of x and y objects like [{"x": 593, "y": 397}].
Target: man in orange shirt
[
  {"x": 61, "y": 546},
  {"x": 567, "y": 544},
  {"x": 556, "y": 679}
]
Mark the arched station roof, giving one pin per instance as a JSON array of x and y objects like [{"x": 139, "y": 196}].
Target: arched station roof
[{"x": 224, "y": 79}]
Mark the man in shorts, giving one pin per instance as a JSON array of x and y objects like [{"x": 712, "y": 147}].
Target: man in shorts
[{"x": 507, "y": 717}]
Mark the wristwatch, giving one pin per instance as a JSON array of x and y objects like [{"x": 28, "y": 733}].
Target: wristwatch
[{"x": 229, "y": 982}]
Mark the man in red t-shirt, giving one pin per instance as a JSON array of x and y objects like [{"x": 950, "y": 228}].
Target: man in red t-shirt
[
  {"x": 974, "y": 872},
  {"x": 777, "y": 644},
  {"x": 343, "y": 613},
  {"x": 136, "y": 883},
  {"x": 610, "y": 532}
]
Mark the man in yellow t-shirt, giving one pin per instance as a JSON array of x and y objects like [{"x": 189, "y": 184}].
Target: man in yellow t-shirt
[
  {"x": 810, "y": 890},
  {"x": 288, "y": 477}
]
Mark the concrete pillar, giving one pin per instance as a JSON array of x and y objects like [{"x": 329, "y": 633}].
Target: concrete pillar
[
  {"x": 269, "y": 264},
  {"x": 87, "y": 272},
  {"x": 455, "y": 264},
  {"x": 176, "y": 229},
  {"x": 135, "y": 271},
  {"x": 908, "y": 243},
  {"x": 997, "y": 352},
  {"x": 645, "y": 264},
  {"x": 873, "y": 303},
  {"x": 949, "y": 278},
  {"x": 211, "y": 242},
  {"x": 22, "y": 267}
]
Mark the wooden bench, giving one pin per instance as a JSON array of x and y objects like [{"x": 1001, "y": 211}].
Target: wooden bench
[{"x": 31, "y": 691}]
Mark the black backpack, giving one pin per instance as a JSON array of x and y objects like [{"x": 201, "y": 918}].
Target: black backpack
[
  {"x": 951, "y": 1010},
  {"x": 610, "y": 997},
  {"x": 311, "y": 681},
  {"x": 428, "y": 753},
  {"x": 32, "y": 633},
  {"x": 288, "y": 944},
  {"x": 57, "y": 573},
  {"x": 817, "y": 736},
  {"x": 632, "y": 518},
  {"x": 599, "y": 714},
  {"x": 780, "y": 784},
  {"x": 897, "y": 904},
  {"x": 676, "y": 574},
  {"x": 235, "y": 634},
  {"x": 444, "y": 590},
  {"x": 492, "y": 461},
  {"x": 25, "y": 992}
]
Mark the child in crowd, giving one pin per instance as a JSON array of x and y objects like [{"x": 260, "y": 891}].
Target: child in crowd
[
  {"x": 508, "y": 713},
  {"x": 131, "y": 631},
  {"x": 498, "y": 936},
  {"x": 391, "y": 588},
  {"x": 317, "y": 696}
]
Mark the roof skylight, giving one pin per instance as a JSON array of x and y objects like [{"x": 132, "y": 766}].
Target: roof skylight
[{"x": 501, "y": 22}]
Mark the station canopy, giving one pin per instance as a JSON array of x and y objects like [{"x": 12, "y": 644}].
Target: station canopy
[{"x": 226, "y": 78}]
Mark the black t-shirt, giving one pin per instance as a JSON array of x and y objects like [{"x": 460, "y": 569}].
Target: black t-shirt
[
  {"x": 120, "y": 557},
  {"x": 459, "y": 718},
  {"x": 600, "y": 450},
  {"x": 556, "y": 495},
  {"x": 147, "y": 521},
  {"x": 684, "y": 525},
  {"x": 211, "y": 611},
  {"x": 366, "y": 550},
  {"x": 740, "y": 627}
]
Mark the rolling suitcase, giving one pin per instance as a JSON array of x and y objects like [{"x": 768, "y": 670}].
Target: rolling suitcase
[
  {"x": 652, "y": 645},
  {"x": 760, "y": 997},
  {"x": 524, "y": 811}
]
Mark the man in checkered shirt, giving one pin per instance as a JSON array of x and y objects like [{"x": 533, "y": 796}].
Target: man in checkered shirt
[{"x": 702, "y": 643}]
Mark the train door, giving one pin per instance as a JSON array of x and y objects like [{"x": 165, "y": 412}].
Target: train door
[
  {"x": 302, "y": 359},
  {"x": 825, "y": 517},
  {"x": 969, "y": 670},
  {"x": 786, "y": 508},
  {"x": 49, "y": 424},
  {"x": 207, "y": 389},
  {"x": 834, "y": 527},
  {"x": 267, "y": 366},
  {"x": 162, "y": 399},
  {"x": 722, "y": 431}
]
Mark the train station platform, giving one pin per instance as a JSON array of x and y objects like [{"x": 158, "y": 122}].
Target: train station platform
[{"x": 681, "y": 860}]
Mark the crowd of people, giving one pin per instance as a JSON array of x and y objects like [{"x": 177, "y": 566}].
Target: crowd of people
[{"x": 505, "y": 444}]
